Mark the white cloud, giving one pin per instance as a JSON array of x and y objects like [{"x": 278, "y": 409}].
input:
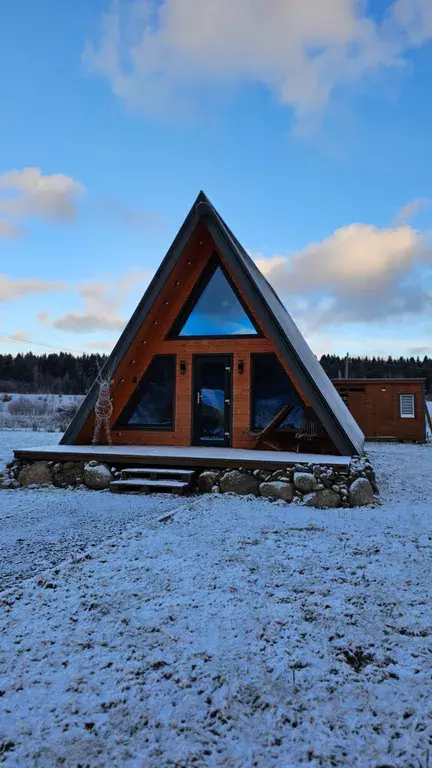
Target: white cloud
[
  {"x": 157, "y": 55},
  {"x": 102, "y": 302},
  {"x": 361, "y": 273},
  {"x": 28, "y": 193},
  {"x": 410, "y": 210},
  {"x": 13, "y": 289}
]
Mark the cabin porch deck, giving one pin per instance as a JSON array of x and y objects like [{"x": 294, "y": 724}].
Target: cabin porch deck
[{"x": 179, "y": 456}]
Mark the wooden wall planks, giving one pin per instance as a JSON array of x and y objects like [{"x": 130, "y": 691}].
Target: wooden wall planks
[
  {"x": 376, "y": 408},
  {"x": 151, "y": 340}
]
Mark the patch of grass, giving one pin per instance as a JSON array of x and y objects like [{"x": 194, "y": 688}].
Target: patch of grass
[{"x": 357, "y": 658}]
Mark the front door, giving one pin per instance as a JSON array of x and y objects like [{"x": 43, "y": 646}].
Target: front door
[{"x": 211, "y": 394}]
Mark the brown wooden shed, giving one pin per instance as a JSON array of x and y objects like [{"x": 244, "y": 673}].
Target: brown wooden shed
[{"x": 386, "y": 409}]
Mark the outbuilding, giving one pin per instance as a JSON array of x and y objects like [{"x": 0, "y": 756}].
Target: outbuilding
[{"x": 386, "y": 409}]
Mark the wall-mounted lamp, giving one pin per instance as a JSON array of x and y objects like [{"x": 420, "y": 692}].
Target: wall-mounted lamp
[
  {"x": 134, "y": 379},
  {"x": 240, "y": 366},
  {"x": 182, "y": 366}
]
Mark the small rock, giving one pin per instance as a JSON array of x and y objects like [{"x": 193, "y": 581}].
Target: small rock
[
  {"x": 93, "y": 463},
  {"x": 207, "y": 480},
  {"x": 361, "y": 493},
  {"x": 35, "y": 474},
  {"x": 261, "y": 474},
  {"x": 97, "y": 476},
  {"x": 325, "y": 499},
  {"x": 236, "y": 482},
  {"x": 300, "y": 468},
  {"x": 304, "y": 481},
  {"x": 215, "y": 489},
  {"x": 277, "y": 489},
  {"x": 278, "y": 474},
  {"x": 69, "y": 474},
  {"x": 335, "y": 488}
]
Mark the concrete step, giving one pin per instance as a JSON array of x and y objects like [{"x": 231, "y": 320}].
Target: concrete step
[
  {"x": 154, "y": 473},
  {"x": 146, "y": 485}
]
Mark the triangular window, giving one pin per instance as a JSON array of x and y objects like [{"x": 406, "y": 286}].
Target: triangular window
[{"x": 214, "y": 309}]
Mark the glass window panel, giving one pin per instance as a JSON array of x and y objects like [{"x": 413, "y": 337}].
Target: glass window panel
[
  {"x": 154, "y": 407},
  {"x": 272, "y": 389},
  {"x": 218, "y": 312},
  {"x": 212, "y": 401}
]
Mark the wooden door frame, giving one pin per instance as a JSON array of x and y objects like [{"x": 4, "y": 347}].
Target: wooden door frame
[{"x": 207, "y": 356}]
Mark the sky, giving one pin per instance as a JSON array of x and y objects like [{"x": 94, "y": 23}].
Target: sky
[{"x": 308, "y": 124}]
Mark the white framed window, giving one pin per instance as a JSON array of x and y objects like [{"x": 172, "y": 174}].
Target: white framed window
[{"x": 407, "y": 406}]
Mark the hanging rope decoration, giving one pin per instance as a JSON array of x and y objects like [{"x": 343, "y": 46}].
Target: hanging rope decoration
[{"x": 103, "y": 410}]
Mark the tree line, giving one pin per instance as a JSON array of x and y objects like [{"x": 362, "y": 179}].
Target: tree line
[
  {"x": 65, "y": 373},
  {"x": 380, "y": 368},
  {"x": 57, "y": 373}
]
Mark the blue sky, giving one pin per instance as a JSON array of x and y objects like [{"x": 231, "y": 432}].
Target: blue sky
[{"x": 308, "y": 129}]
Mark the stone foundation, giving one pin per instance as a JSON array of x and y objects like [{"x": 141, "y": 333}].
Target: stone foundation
[{"x": 312, "y": 485}]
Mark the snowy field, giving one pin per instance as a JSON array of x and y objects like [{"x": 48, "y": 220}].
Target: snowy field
[
  {"x": 238, "y": 633},
  {"x": 37, "y": 412}
]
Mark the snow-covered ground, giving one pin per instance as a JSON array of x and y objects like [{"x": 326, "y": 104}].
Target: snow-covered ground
[
  {"x": 238, "y": 633},
  {"x": 38, "y": 411}
]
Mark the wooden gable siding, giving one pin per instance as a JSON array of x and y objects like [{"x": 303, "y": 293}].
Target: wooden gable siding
[
  {"x": 151, "y": 340},
  {"x": 375, "y": 407}
]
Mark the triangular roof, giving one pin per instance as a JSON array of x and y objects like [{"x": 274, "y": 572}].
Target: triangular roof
[{"x": 275, "y": 320}]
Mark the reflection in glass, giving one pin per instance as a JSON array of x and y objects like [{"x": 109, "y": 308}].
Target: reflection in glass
[
  {"x": 212, "y": 401},
  {"x": 218, "y": 312},
  {"x": 272, "y": 389},
  {"x": 155, "y": 405}
]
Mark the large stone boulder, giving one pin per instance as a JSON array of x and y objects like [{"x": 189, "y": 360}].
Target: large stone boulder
[
  {"x": 38, "y": 473},
  {"x": 277, "y": 489},
  {"x": 97, "y": 477},
  {"x": 304, "y": 481},
  {"x": 70, "y": 473},
  {"x": 325, "y": 499},
  {"x": 360, "y": 493},
  {"x": 239, "y": 482},
  {"x": 207, "y": 480}
]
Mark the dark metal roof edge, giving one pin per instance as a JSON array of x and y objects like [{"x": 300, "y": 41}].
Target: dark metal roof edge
[{"x": 135, "y": 322}]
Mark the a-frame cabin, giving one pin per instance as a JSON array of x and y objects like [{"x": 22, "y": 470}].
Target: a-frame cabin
[{"x": 211, "y": 357}]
